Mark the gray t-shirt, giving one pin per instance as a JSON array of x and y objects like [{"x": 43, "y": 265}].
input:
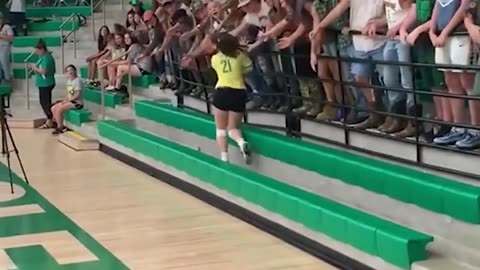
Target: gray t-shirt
[
  {"x": 74, "y": 86},
  {"x": 6, "y": 30},
  {"x": 144, "y": 63}
]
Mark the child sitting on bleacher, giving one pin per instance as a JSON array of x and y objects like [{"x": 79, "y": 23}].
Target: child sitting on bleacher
[{"x": 73, "y": 100}]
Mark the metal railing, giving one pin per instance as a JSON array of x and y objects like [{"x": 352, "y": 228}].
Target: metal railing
[
  {"x": 102, "y": 86},
  {"x": 286, "y": 71},
  {"x": 93, "y": 8},
  {"x": 72, "y": 18},
  {"x": 27, "y": 76}
]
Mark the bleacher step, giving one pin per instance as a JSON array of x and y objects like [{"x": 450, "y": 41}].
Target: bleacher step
[{"x": 78, "y": 142}]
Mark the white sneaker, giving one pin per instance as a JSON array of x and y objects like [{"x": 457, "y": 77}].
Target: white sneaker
[
  {"x": 110, "y": 87},
  {"x": 245, "y": 149}
]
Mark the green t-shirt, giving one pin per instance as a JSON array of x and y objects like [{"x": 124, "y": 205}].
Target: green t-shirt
[
  {"x": 46, "y": 62},
  {"x": 424, "y": 10}
]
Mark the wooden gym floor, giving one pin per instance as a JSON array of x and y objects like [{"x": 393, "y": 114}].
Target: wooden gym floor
[{"x": 86, "y": 211}]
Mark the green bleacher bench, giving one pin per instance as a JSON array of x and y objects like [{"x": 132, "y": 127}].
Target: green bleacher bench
[
  {"x": 77, "y": 117},
  {"x": 19, "y": 73},
  {"x": 19, "y": 57},
  {"x": 5, "y": 89},
  {"x": 95, "y": 96},
  {"x": 395, "y": 244},
  {"x": 445, "y": 196},
  {"x": 31, "y": 41},
  {"x": 143, "y": 81},
  {"x": 45, "y": 12},
  {"x": 52, "y": 26},
  {"x": 84, "y": 72}
]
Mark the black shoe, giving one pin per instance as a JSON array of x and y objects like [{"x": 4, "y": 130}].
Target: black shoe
[{"x": 58, "y": 131}]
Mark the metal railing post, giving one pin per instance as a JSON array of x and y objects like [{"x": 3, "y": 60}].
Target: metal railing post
[
  {"x": 63, "y": 49},
  {"x": 75, "y": 44},
  {"x": 93, "y": 20},
  {"x": 130, "y": 89},
  {"x": 27, "y": 73},
  {"x": 123, "y": 6},
  {"x": 103, "y": 12},
  {"x": 102, "y": 99}
]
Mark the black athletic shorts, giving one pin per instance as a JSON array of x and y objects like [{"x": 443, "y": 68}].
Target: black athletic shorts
[
  {"x": 77, "y": 106},
  {"x": 229, "y": 99}
]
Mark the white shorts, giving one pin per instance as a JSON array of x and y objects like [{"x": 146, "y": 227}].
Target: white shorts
[{"x": 457, "y": 51}]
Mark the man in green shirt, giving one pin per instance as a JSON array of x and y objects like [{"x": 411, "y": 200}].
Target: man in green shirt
[
  {"x": 44, "y": 72},
  {"x": 414, "y": 31}
]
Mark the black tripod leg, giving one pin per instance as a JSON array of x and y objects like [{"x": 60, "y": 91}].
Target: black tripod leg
[
  {"x": 6, "y": 151},
  {"x": 7, "y": 128}
]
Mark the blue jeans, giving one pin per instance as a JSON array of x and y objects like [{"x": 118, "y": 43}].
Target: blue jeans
[
  {"x": 5, "y": 64},
  {"x": 398, "y": 76},
  {"x": 347, "y": 75}
]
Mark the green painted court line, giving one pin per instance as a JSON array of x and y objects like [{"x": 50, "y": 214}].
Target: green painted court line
[{"x": 36, "y": 257}]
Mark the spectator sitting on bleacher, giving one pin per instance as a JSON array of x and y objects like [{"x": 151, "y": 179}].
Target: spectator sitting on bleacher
[
  {"x": 130, "y": 23},
  {"x": 6, "y": 38},
  {"x": 17, "y": 16},
  {"x": 117, "y": 52},
  {"x": 138, "y": 65},
  {"x": 115, "y": 49},
  {"x": 103, "y": 39},
  {"x": 140, "y": 25},
  {"x": 73, "y": 100}
]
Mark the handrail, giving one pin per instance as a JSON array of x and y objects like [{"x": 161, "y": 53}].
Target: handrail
[
  {"x": 93, "y": 7},
  {"x": 74, "y": 31},
  {"x": 67, "y": 20},
  {"x": 114, "y": 59},
  {"x": 27, "y": 77}
]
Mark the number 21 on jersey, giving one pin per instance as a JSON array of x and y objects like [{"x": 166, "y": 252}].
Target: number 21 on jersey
[{"x": 227, "y": 67}]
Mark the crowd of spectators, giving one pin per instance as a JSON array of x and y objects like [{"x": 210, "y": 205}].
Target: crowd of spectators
[{"x": 294, "y": 45}]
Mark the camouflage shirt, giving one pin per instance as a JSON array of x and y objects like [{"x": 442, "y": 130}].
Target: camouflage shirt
[{"x": 323, "y": 7}]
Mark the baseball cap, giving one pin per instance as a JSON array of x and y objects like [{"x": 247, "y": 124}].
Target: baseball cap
[
  {"x": 148, "y": 15},
  {"x": 41, "y": 44},
  {"x": 243, "y": 3}
]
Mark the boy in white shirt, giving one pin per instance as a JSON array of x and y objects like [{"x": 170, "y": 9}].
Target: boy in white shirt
[
  {"x": 365, "y": 16},
  {"x": 17, "y": 16}
]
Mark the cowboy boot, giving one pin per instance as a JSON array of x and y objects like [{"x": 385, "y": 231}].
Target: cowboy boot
[
  {"x": 386, "y": 125},
  {"x": 317, "y": 96},
  {"x": 373, "y": 120},
  {"x": 395, "y": 127},
  {"x": 408, "y": 131},
  {"x": 329, "y": 113},
  {"x": 306, "y": 104}
]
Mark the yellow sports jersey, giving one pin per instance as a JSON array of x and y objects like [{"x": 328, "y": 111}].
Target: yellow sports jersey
[{"x": 230, "y": 70}]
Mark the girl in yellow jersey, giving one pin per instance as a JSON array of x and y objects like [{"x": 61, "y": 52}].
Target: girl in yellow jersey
[{"x": 230, "y": 64}]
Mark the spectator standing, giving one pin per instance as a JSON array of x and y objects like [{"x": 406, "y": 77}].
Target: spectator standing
[
  {"x": 44, "y": 71},
  {"x": 394, "y": 76},
  {"x": 472, "y": 23},
  {"x": 429, "y": 79},
  {"x": 452, "y": 49},
  {"x": 366, "y": 16},
  {"x": 6, "y": 38},
  {"x": 17, "y": 16}
]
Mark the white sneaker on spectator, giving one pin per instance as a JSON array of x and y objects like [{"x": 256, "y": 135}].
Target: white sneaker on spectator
[{"x": 110, "y": 87}]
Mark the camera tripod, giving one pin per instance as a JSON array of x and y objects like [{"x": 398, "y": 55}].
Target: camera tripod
[{"x": 7, "y": 134}]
